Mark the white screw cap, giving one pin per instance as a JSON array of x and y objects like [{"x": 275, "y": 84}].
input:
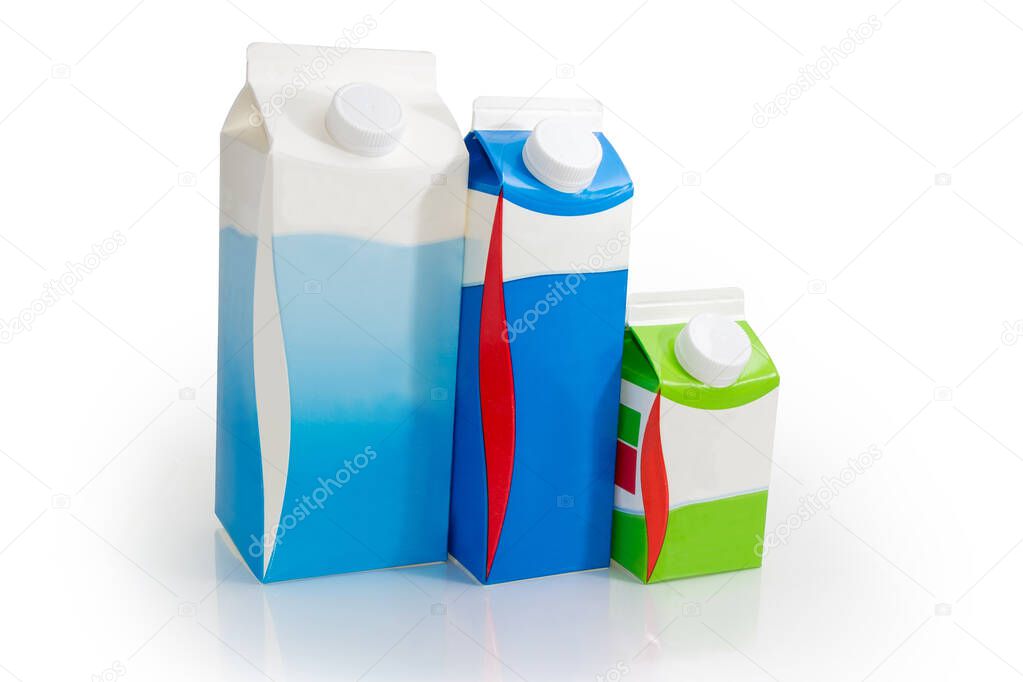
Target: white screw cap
[
  {"x": 563, "y": 153},
  {"x": 714, "y": 349},
  {"x": 365, "y": 119}
]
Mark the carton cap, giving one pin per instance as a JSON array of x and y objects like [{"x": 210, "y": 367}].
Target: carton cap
[
  {"x": 365, "y": 119},
  {"x": 563, "y": 154},
  {"x": 714, "y": 349}
]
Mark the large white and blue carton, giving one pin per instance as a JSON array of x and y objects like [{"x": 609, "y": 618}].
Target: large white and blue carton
[
  {"x": 540, "y": 343},
  {"x": 343, "y": 182}
]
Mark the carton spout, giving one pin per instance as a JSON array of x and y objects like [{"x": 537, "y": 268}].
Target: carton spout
[
  {"x": 563, "y": 154},
  {"x": 714, "y": 349},
  {"x": 365, "y": 119}
]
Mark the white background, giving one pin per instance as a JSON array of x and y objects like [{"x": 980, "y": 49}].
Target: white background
[{"x": 889, "y": 298}]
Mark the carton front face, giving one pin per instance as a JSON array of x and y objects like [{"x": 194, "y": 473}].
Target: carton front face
[
  {"x": 538, "y": 370},
  {"x": 339, "y": 297},
  {"x": 691, "y": 477}
]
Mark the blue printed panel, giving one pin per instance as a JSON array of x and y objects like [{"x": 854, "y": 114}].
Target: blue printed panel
[{"x": 565, "y": 339}]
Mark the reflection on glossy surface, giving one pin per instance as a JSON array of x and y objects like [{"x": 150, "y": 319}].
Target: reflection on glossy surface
[{"x": 435, "y": 622}]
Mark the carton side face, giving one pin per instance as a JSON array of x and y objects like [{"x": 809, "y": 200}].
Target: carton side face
[
  {"x": 239, "y": 475},
  {"x": 243, "y": 124},
  {"x": 408, "y": 207},
  {"x": 713, "y": 454}
]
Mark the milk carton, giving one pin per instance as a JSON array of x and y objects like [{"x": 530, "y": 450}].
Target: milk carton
[
  {"x": 341, "y": 250},
  {"x": 695, "y": 434},
  {"x": 543, "y": 308}
]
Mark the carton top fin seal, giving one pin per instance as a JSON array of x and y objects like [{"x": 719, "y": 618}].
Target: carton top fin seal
[
  {"x": 674, "y": 307},
  {"x": 524, "y": 113}
]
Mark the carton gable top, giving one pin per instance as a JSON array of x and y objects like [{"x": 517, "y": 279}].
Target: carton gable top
[
  {"x": 289, "y": 89},
  {"x": 501, "y": 126},
  {"x": 648, "y": 360}
]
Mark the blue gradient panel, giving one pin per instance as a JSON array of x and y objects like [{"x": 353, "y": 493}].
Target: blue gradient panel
[{"x": 370, "y": 341}]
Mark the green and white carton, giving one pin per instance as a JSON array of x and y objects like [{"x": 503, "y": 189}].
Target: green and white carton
[{"x": 696, "y": 426}]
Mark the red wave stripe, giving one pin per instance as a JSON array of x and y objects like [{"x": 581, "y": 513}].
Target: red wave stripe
[
  {"x": 654, "y": 482},
  {"x": 497, "y": 389}
]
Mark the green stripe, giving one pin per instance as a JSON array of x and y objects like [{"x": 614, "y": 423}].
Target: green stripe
[
  {"x": 636, "y": 367},
  {"x": 702, "y": 538},
  {"x": 628, "y": 425}
]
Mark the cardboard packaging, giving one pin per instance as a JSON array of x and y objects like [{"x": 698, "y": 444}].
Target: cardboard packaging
[
  {"x": 543, "y": 308},
  {"x": 695, "y": 433},
  {"x": 341, "y": 249}
]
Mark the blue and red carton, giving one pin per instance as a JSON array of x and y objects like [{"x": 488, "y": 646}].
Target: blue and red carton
[{"x": 540, "y": 341}]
